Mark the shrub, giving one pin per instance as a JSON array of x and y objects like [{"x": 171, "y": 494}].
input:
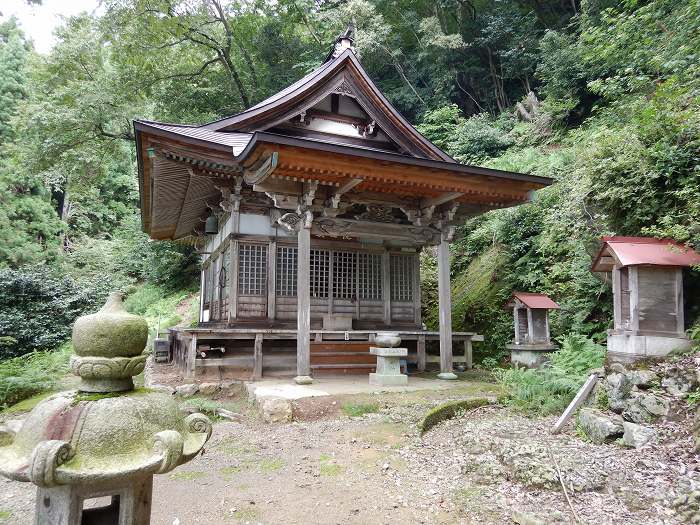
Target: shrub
[
  {"x": 551, "y": 388},
  {"x": 30, "y": 374},
  {"x": 38, "y": 307},
  {"x": 448, "y": 411}
]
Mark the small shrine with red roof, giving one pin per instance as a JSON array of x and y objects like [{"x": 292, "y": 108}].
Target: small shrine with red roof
[
  {"x": 532, "y": 343},
  {"x": 647, "y": 280}
]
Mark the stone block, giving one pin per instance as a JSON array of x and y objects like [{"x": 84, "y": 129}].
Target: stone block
[
  {"x": 600, "y": 427},
  {"x": 388, "y": 352},
  {"x": 637, "y": 436},
  {"x": 208, "y": 389},
  {"x": 388, "y": 379},
  {"x": 187, "y": 390},
  {"x": 644, "y": 408},
  {"x": 276, "y": 410}
]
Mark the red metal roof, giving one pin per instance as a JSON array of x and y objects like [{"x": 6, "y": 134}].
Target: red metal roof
[
  {"x": 536, "y": 300},
  {"x": 633, "y": 251}
]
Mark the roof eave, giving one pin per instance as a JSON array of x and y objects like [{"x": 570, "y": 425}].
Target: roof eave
[{"x": 262, "y": 137}]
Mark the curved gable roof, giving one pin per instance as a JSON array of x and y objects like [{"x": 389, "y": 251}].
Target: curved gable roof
[{"x": 342, "y": 74}]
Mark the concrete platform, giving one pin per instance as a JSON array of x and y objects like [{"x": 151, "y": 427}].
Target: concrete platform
[{"x": 337, "y": 386}]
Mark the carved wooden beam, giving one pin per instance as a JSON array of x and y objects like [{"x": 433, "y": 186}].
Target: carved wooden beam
[
  {"x": 262, "y": 169},
  {"x": 349, "y": 228},
  {"x": 438, "y": 200}
]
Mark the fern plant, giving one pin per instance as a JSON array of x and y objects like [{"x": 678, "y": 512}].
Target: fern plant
[{"x": 552, "y": 387}]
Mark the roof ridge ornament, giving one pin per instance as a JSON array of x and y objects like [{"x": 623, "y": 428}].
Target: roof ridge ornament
[{"x": 344, "y": 41}]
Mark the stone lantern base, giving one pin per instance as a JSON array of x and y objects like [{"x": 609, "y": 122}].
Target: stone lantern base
[
  {"x": 388, "y": 367},
  {"x": 130, "y": 505}
]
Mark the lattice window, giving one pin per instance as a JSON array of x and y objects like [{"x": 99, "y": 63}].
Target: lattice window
[
  {"x": 370, "y": 275},
  {"x": 402, "y": 277},
  {"x": 344, "y": 277},
  {"x": 252, "y": 269},
  {"x": 287, "y": 271},
  {"x": 319, "y": 273}
]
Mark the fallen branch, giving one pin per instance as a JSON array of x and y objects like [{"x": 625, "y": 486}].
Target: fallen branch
[{"x": 563, "y": 487}]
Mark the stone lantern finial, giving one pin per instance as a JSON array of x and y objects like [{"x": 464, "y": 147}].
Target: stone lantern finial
[
  {"x": 109, "y": 346},
  {"x": 106, "y": 438}
]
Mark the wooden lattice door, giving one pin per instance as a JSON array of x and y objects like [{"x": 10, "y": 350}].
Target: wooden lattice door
[{"x": 252, "y": 281}]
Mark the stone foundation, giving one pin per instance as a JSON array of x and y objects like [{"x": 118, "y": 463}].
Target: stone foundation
[
  {"x": 624, "y": 348},
  {"x": 530, "y": 356}
]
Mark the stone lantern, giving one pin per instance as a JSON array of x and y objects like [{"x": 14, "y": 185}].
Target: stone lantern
[
  {"x": 532, "y": 344},
  {"x": 105, "y": 439}
]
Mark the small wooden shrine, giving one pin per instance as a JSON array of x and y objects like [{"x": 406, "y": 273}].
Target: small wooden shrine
[
  {"x": 531, "y": 343},
  {"x": 310, "y": 210},
  {"x": 647, "y": 280}
]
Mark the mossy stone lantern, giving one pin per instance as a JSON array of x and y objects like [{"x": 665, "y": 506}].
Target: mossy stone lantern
[
  {"x": 106, "y": 438},
  {"x": 532, "y": 344}
]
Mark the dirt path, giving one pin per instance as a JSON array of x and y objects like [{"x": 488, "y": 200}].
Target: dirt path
[{"x": 487, "y": 466}]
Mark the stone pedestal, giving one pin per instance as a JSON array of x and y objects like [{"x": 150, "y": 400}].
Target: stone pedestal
[
  {"x": 388, "y": 367},
  {"x": 530, "y": 355},
  {"x": 130, "y": 503}
]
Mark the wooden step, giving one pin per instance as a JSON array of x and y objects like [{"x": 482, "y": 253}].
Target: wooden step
[
  {"x": 334, "y": 358},
  {"x": 339, "y": 346},
  {"x": 341, "y": 369}
]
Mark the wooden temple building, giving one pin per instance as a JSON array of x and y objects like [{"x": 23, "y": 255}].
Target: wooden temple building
[{"x": 310, "y": 210}]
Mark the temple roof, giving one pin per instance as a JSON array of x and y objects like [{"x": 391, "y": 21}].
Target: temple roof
[
  {"x": 535, "y": 300},
  {"x": 332, "y": 125},
  {"x": 634, "y": 251}
]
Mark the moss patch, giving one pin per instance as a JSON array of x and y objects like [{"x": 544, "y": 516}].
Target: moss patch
[
  {"x": 243, "y": 515},
  {"x": 359, "y": 409},
  {"x": 187, "y": 475},
  {"x": 328, "y": 467},
  {"x": 96, "y": 396},
  {"x": 271, "y": 465},
  {"x": 27, "y": 405},
  {"x": 448, "y": 411},
  {"x": 5, "y": 516},
  {"x": 230, "y": 471}
]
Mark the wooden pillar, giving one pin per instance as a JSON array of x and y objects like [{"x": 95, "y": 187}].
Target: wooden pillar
[
  {"x": 386, "y": 286},
  {"x": 468, "y": 354},
  {"x": 634, "y": 299},
  {"x": 420, "y": 362},
  {"x": 445, "y": 300},
  {"x": 617, "y": 299},
  {"x": 416, "y": 291},
  {"x": 201, "y": 294},
  {"x": 680, "y": 320},
  {"x": 516, "y": 323},
  {"x": 258, "y": 357},
  {"x": 304, "y": 301},
  {"x": 191, "y": 359}
]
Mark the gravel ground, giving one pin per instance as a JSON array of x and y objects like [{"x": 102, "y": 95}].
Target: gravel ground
[{"x": 489, "y": 465}]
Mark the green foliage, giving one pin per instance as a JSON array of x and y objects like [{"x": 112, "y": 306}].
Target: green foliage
[
  {"x": 449, "y": 410},
  {"x": 33, "y": 373},
  {"x": 359, "y": 409},
  {"x": 551, "y": 388},
  {"x": 38, "y": 307},
  {"x": 157, "y": 305}
]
